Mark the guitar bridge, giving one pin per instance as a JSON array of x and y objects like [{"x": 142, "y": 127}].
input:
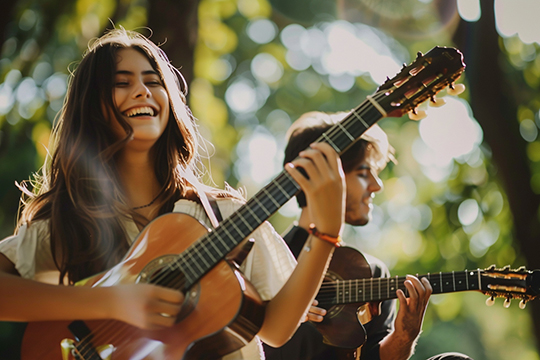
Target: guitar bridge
[
  {"x": 82, "y": 348},
  {"x": 70, "y": 352}
]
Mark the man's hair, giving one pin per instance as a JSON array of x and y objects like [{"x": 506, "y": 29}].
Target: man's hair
[{"x": 310, "y": 126}]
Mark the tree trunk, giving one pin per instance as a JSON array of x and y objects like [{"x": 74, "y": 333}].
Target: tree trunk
[
  {"x": 174, "y": 25},
  {"x": 494, "y": 98}
]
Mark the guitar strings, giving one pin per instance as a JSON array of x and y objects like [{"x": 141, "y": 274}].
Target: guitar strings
[
  {"x": 186, "y": 260},
  {"x": 352, "y": 290}
]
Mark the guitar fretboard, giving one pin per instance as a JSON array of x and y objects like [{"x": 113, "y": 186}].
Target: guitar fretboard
[
  {"x": 205, "y": 253},
  {"x": 379, "y": 289}
]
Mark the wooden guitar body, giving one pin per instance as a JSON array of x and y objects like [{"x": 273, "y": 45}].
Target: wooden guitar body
[
  {"x": 222, "y": 312},
  {"x": 341, "y": 326}
]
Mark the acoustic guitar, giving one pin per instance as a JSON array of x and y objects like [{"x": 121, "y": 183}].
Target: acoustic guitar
[
  {"x": 351, "y": 296},
  {"x": 222, "y": 310}
]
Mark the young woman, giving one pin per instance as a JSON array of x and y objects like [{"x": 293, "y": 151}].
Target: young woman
[{"x": 124, "y": 152}]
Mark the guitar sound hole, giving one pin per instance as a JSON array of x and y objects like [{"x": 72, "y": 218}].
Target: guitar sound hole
[{"x": 169, "y": 277}]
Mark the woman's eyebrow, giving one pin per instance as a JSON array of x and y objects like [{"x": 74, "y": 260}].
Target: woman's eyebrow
[{"x": 127, "y": 72}]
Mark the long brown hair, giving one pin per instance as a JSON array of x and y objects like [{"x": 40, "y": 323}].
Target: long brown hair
[{"x": 79, "y": 190}]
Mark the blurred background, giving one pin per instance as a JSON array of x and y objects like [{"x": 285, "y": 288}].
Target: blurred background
[{"x": 464, "y": 193}]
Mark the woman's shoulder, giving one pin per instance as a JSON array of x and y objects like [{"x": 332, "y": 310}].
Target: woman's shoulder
[{"x": 37, "y": 228}]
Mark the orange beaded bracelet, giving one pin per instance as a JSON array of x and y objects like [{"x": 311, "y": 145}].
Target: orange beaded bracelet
[{"x": 334, "y": 240}]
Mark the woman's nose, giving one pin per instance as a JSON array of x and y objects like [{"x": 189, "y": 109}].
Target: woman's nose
[{"x": 141, "y": 90}]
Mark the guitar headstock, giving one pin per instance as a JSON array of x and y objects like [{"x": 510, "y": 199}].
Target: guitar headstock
[
  {"x": 420, "y": 81},
  {"x": 511, "y": 284}
]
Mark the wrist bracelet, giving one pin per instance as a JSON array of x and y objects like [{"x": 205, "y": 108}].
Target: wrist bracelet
[{"x": 334, "y": 240}]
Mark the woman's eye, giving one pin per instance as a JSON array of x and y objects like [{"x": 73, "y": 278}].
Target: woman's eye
[{"x": 121, "y": 83}]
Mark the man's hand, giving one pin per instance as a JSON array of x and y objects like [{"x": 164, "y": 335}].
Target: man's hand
[{"x": 412, "y": 309}]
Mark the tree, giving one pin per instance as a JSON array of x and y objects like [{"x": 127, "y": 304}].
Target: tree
[{"x": 496, "y": 92}]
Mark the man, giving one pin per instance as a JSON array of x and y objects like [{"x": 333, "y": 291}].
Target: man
[{"x": 387, "y": 339}]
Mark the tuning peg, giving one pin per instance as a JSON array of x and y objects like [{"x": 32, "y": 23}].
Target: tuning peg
[
  {"x": 490, "y": 301},
  {"x": 417, "y": 114},
  {"x": 506, "y": 268},
  {"x": 491, "y": 268},
  {"x": 419, "y": 54},
  {"x": 507, "y": 302},
  {"x": 437, "y": 102},
  {"x": 522, "y": 304},
  {"x": 456, "y": 89},
  {"x": 521, "y": 268}
]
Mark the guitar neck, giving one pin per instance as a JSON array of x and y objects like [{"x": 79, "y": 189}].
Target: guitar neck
[
  {"x": 204, "y": 254},
  {"x": 379, "y": 289}
]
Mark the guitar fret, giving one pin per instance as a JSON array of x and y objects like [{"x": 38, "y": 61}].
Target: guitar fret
[
  {"x": 346, "y": 132},
  {"x": 454, "y": 280},
  {"x": 185, "y": 268},
  {"x": 467, "y": 278},
  {"x": 250, "y": 228},
  {"x": 350, "y": 291},
  {"x": 364, "y": 289},
  {"x": 216, "y": 233},
  {"x": 376, "y": 105},
  {"x": 329, "y": 141},
  {"x": 461, "y": 285},
  {"x": 212, "y": 243},
  {"x": 479, "y": 280},
  {"x": 271, "y": 198},
  {"x": 360, "y": 118},
  {"x": 200, "y": 256},
  {"x": 254, "y": 215},
  {"x": 282, "y": 189},
  {"x": 440, "y": 277},
  {"x": 379, "y": 289},
  {"x": 292, "y": 180},
  {"x": 262, "y": 206},
  {"x": 231, "y": 237},
  {"x": 242, "y": 234}
]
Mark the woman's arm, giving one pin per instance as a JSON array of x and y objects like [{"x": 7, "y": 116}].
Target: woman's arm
[
  {"x": 28, "y": 300},
  {"x": 324, "y": 189}
]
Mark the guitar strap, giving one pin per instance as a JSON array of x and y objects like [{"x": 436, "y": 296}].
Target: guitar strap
[
  {"x": 211, "y": 208},
  {"x": 209, "y": 205}
]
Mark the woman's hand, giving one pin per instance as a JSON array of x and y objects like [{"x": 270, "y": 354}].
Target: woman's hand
[
  {"x": 324, "y": 186},
  {"x": 145, "y": 306}
]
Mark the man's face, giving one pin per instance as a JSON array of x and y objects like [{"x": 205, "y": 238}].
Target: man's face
[{"x": 362, "y": 183}]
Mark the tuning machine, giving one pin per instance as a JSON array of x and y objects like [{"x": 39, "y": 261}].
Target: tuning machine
[
  {"x": 436, "y": 102},
  {"x": 455, "y": 89}
]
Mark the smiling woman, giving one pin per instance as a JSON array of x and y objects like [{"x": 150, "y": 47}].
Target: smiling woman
[
  {"x": 105, "y": 216},
  {"x": 140, "y": 95}
]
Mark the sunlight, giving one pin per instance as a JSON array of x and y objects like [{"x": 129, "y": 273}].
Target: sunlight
[
  {"x": 518, "y": 17},
  {"x": 448, "y": 132},
  {"x": 258, "y": 158},
  {"x": 469, "y": 10}
]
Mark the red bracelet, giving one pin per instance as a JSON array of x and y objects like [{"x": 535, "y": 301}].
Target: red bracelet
[{"x": 334, "y": 240}]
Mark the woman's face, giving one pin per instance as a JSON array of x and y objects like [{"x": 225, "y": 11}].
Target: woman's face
[{"x": 140, "y": 96}]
